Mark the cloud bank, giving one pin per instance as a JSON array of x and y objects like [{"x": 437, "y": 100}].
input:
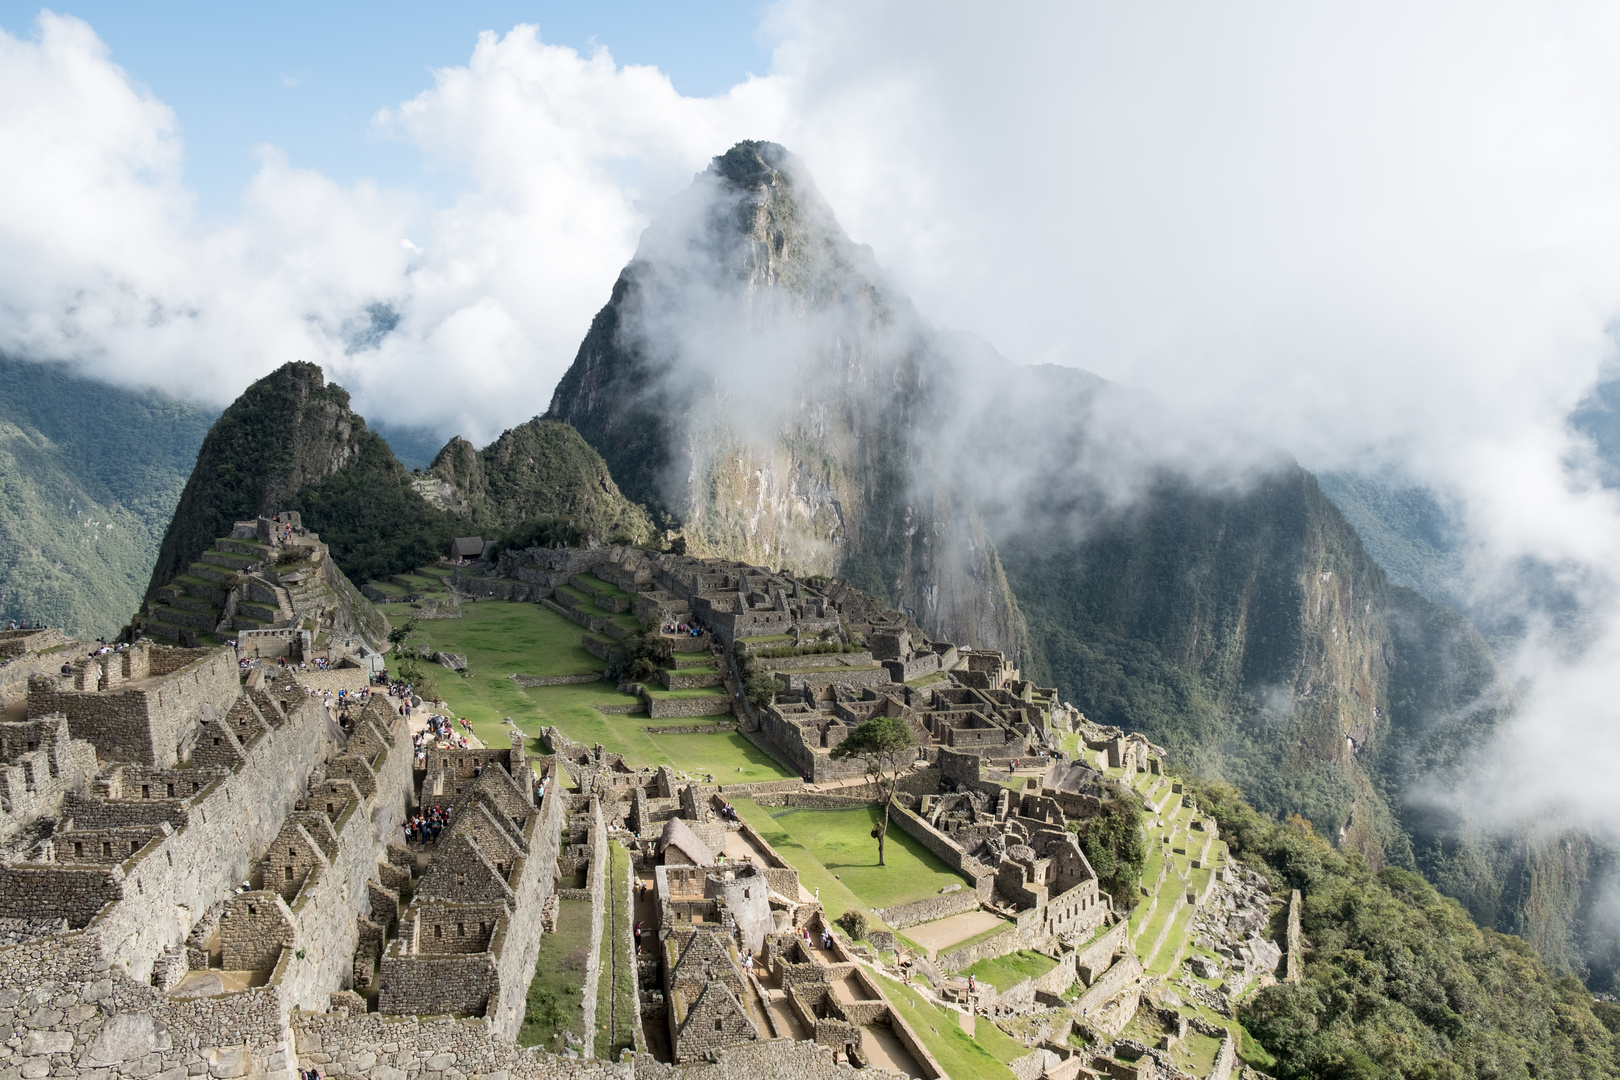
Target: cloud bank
[{"x": 1379, "y": 236}]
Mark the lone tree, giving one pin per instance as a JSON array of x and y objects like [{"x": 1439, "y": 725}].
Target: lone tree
[{"x": 885, "y": 742}]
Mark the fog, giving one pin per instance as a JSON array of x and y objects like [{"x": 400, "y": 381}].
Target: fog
[{"x": 1380, "y": 238}]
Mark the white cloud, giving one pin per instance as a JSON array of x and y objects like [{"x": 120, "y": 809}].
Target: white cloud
[
  {"x": 106, "y": 263},
  {"x": 1383, "y": 232}
]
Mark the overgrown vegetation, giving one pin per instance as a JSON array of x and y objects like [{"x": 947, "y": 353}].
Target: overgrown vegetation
[
  {"x": 371, "y": 518},
  {"x": 1399, "y": 982},
  {"x": 637, "y": 658},
  {"x": 540, "y": 481},
  {"x": 1115, "y": 844}
]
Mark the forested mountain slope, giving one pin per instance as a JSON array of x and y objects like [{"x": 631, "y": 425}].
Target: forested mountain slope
[{"x": 89, "y": 476}]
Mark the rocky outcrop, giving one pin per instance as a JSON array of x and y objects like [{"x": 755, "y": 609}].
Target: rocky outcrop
[{"x": 753, "y": 375}]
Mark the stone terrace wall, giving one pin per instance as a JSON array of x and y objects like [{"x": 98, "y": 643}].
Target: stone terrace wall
[
  {"x": 147, "y": 724},
  {"x": 1098, "y": 955},
  {"x": 717, "y": 705},
  {"x": 929, "y": 909},
  {"x": 369, "y": 1046}
]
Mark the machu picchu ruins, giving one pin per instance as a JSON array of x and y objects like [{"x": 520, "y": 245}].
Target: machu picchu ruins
[{"x": 220, "y": 846}]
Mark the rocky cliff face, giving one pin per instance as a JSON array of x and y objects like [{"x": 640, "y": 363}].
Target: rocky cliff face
[{"x": 754, "y": 375}]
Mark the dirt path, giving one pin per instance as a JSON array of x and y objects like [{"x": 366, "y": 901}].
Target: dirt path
[{"x": 943, "y": 933}]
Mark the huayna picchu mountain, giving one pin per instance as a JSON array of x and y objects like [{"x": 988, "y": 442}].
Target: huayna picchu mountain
[
  {"x": 755, "y": 376},
  {"x": 291, "y": 444}
]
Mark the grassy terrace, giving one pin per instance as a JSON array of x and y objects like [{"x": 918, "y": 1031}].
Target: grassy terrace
[
  {"x": 604, "y": 587},
  {"x": 500, "y": 639},
  {"x": 985, "y": 1053},
  {"x": 834, "y": 852},
  {"x": 661, "y": 694},
  {"x": 1005, "y": 972},
  {"x": 585, "y": 604},
  {"x": 555, "y": 1004},
  {"x": 617, "y": 1014}
]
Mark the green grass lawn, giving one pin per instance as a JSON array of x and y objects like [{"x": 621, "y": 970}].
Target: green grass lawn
[
  {"x": 616, "y": 1011},
  {"x": 727, "y": 756},
  {"x": 822, "y": 843},
  {"x": 1172, "y": 943},
  {"x": 555, "y": 1002},
  {"x": 604, "y": 587},
  {"x": 957, "y": 1053},
  {"x": 1006, "y": 972},
  {"x": 501, "y": 639}
]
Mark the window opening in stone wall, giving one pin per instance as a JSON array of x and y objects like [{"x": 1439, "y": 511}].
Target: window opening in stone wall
[
  {"x": 438, "y": 932},
  {"x": 719, "y": 1025},
  {"x": 78, "y": 850},
  {"x": 138, "y": 888},
  {"x": 289, "y": 873},
  {"x": 146, "y": 791},
  {"x": 106, "y": 849},
  {"x": 252, "y": 910},
  {"x": 170, "y": 856},
  {"x": 134, "y": 846},
  {"x": 461, "y": 929},
  {"x": 171, "y": 791}
]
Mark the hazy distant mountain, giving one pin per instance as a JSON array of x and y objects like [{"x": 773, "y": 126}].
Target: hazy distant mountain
[{"x": 89, "y": 475}]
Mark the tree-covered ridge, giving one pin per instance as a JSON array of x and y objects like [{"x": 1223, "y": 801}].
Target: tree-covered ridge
[
  {"x": 1398, "y": 980},
  {"x": 89, "y": 476},
  {"x": 371, "y": 518},
  {"x": 541, "y": 469}
]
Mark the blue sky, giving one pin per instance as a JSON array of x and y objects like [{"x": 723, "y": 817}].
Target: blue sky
[{"x": 308, "y": 77}]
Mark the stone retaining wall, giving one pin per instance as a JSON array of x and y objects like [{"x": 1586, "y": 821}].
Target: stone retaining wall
[
  {"x": 1008, "y": 941},
  {"x": 558, "y": 680},
  {"x": 1116, "y": 979},
  {"x": 689, "y": 729},
  {"x": 927, "y": 910},
  {"x": 716, "y": 705}
]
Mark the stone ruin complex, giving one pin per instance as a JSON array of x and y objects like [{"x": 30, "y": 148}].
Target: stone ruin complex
[
  {"x": 271, "y": 585},
  {"x": 203, "y": 870}
]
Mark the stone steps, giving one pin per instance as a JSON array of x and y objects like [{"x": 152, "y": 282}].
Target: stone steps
[{"x": 260, "y": 613}]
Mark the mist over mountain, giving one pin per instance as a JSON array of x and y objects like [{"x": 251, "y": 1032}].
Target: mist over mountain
[{"x": 755, "y": 376}]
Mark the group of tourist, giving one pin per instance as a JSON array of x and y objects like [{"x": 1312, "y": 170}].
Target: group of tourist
[
  {"x": 23, "y": 624},
  {"x": 425, "y": 827},
  {"x": 729, "y": 812},
  {"x": 685, "y": 629}
]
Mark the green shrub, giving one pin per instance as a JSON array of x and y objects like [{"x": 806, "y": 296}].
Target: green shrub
[{"x": 855, "y": 924}]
